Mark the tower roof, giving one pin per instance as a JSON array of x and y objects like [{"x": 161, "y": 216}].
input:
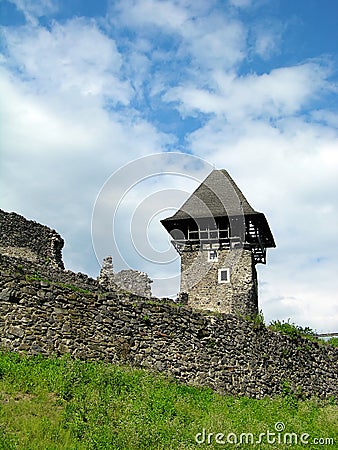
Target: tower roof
[{"x": 219, "y": 196}]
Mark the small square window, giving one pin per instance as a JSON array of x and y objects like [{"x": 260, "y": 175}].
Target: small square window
[
  {"x": 212, "y": 256},
  {"x": 224, "y": 275}
]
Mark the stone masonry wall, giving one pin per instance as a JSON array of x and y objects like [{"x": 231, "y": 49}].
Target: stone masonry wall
[
  {"x": 199, "y": 279},
  {"x": 29, "y": 240},
  {"x": 45, "y": 309},
  {"x": 227, "y": 353},
  {"x": 129, "y": 280}
]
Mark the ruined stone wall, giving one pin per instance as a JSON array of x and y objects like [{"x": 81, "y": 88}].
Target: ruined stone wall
[
  {"x": 227, "y": 353},
  {"x": 200, "y": 280},
  {"x": 29, "y": 240},
  {"x": 45, "y": 309},
  {"x": 128, "y": 280},
  {"x": 134, "y": 281},
  {"x": 46, "y": 271}
]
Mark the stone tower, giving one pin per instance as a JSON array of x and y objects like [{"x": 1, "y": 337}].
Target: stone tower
[{"x": 220, "y": 239}]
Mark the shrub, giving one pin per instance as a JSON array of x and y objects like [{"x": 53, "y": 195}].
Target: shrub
[{"x": 291, "y": 329}]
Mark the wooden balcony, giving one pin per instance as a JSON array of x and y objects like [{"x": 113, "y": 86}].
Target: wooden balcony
[{"x": 229, "y": 243}]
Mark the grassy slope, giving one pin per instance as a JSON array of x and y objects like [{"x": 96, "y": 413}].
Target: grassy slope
[{"x": 59, "y": 403}]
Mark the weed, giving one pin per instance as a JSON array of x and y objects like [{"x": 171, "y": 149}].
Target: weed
[
  {"x": 72, "y": 288},
  {"x": 333, "y": 341},
  {"x": 257, "y": 320},
  {"x": 292, "y": 330},
  {"x": 146, "y": 319},
  {"x": 37, "y": 277}
]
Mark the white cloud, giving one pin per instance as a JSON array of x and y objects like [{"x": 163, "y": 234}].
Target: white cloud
[
  {"x": 32, "y": 9},
  {"x": 327, "y": 117},
  {"x": 210, "y": 38},
  {"x": 163, "y": 14},
  {"x": 267, "y": 40},
  {"x": 283, "y": 91},
  {"x": 215, "y": 42},
  {"x": 73, "y": 56},
  {"x": 240, "y": 3}
]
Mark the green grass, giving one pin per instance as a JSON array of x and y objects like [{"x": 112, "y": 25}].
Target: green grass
[
  {"x": 292, "y": 329},
  {"x": 59, "y": 403},
  {"x": 333, "y": 341},
  {"x": 38, "y": 277}
]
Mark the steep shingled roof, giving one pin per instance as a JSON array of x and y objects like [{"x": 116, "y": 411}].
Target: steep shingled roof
[{"x": 217, "y": 196}]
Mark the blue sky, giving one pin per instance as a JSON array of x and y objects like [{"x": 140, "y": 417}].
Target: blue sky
[{"x": 250, "y": 86}]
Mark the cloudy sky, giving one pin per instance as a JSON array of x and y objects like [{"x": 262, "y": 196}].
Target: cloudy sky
[{"x": 88, "y": 87}]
